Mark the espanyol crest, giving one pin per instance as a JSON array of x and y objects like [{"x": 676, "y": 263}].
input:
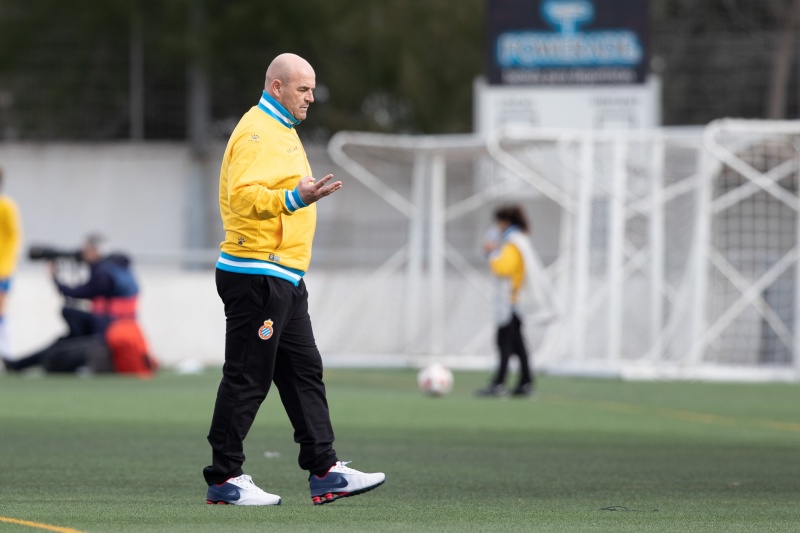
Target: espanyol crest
[{"x": 265, "y": 331}]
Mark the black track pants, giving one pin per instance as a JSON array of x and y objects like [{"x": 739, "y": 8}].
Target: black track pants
[
  {"x": 510, "y": 342},
  {"x": 256, "y": 354}
]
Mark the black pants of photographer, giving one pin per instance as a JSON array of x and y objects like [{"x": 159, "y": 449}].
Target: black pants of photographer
[
  {"x": 82, "y": 346},
  {"x": 510, "y": 342},
  {"x": 67, "y": 355},
  {"x": 80, "y": 323},
  {"x": 258, "y": 354}
]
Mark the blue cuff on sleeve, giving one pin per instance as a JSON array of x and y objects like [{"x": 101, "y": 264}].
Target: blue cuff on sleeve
[{"x": 293, "y": 201}]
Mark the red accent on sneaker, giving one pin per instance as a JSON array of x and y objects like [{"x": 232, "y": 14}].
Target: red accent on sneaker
[{"x": 325, "y": 498}]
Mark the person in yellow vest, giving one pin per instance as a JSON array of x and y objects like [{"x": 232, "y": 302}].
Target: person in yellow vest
[
  {"x": 506, "y": 257},
  {"x": 10, "y": 239},
  {"x": 267, "y": 199}
]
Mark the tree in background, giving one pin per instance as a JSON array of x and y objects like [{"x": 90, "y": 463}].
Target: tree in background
[
  {"x": 726, "y": 58},
  {"x": 121, "y": 69},
  {"x": 787, "y": 18},
  {"x": 386, "y": 65}
]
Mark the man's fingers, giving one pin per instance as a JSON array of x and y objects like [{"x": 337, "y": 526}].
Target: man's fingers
[
  {"x": 321, "y": 183},
  {"x": 335, "y": 186},
  {"x": 323, "y": 187}
]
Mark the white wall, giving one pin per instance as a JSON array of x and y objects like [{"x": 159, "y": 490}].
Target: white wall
[
  {"x": 138, "y": 195},
  {"x": 134, "y": 194}
]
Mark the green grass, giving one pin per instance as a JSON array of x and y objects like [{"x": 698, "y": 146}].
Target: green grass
[{"x": 113, "y": 454}]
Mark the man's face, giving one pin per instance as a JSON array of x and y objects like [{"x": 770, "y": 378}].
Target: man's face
[
  {"x": 90, "y": 253},
  {"x": 297, "y": 94}
]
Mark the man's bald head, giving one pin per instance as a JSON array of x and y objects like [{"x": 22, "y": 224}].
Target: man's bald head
[
  {"x": 291, "y": 81},
  {"x": 285, "y": 66}
]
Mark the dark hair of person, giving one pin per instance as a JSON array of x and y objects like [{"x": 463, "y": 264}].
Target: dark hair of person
[
  {"x": 96, "y": 239},
  {"x": 514, "y": 215}
]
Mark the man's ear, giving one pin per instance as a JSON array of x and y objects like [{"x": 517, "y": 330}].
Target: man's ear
[{"x": 276, "y": 87}]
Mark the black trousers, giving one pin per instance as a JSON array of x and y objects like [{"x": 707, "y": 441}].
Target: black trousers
[
  {"x": 79, "y": 322},
  {"x": 83, "y": 345},
  {"x": 510, "y": 342},
  {"x": 68, "y": 354},
  {"x": 258, "y": 354}
]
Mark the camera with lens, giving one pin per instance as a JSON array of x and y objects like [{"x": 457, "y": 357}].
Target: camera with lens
[{"x": 49, "y": 253}]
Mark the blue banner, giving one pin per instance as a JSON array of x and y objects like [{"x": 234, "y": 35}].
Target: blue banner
[{"x": 567, "y": 42}]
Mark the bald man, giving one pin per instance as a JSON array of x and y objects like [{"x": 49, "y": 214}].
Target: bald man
[{"x": 267, "y": 198}]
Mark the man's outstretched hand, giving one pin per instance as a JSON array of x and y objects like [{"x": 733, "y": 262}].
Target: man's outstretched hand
[{"x": 311, "y": 191}]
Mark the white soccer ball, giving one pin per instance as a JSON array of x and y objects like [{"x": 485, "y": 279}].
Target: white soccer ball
[{"x": 435, "y": 380}]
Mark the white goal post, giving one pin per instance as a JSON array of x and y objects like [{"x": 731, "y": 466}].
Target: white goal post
[{"x": 673, "y": 252}]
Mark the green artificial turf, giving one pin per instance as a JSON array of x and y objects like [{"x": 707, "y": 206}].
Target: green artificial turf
[{"x": 109, "y": 454}]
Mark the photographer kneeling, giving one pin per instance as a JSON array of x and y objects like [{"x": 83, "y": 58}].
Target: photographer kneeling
[{"x": 106, "y": 338}]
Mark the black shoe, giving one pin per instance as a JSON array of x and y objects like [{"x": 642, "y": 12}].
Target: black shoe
[
  {"x": 524, "y": 390},
  {"x": 497, "y": 390}
]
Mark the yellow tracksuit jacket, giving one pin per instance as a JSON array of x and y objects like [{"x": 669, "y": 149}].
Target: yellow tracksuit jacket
[{"x": 268, "y": 229}]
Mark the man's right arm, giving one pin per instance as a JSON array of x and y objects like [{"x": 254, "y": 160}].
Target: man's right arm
[{"x": 252, "y": 183}]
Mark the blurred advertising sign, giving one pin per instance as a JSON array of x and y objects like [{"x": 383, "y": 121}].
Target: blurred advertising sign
[
  {"x": 568, "y": 106},
  {"x": 567, "y": 42}
]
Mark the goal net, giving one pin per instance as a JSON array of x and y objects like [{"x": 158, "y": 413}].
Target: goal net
[{"x": 672, "y": 252}]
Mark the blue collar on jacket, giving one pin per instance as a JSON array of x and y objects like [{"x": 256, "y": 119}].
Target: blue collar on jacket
[{"x": 273, "y": 108}]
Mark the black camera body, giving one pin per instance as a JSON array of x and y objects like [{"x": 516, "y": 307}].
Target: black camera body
[{"x": 49, "y": 253}]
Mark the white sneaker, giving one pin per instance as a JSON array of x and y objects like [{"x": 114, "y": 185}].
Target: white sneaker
[
  {"x": 240, "y": 491},
  {"x": 340, "y": 482}
]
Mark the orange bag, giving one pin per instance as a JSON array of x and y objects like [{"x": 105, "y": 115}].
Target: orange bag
[{"x": 129, "y": 350}]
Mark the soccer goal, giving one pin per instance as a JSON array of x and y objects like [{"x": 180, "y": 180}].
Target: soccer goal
[{"x": 673, "y": 253}]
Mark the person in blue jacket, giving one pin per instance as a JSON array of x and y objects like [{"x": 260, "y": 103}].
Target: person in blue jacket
[{"x": 110, "y": 293}]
